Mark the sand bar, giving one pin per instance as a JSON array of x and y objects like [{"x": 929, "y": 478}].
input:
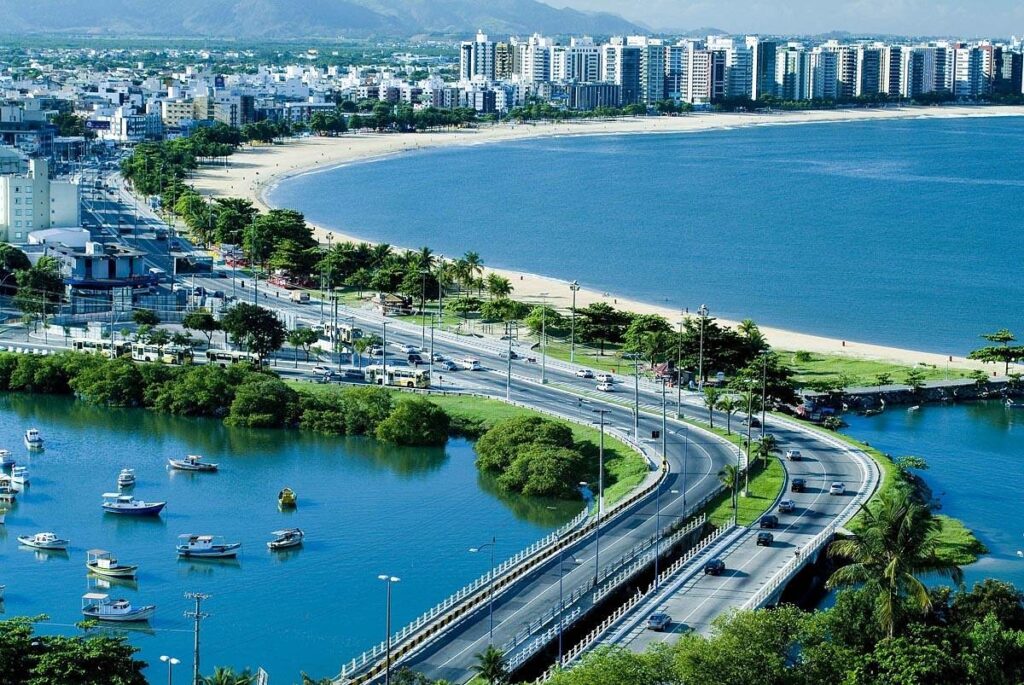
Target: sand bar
[{"x": 253, "y": 170}]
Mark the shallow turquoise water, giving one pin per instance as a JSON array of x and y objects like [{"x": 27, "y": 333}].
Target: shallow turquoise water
[
  {"x": 367, "y": 509},
  {"x": 889, "y": 232}
]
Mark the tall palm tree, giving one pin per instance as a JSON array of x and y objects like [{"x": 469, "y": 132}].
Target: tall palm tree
[
  {"x": 490, "y": 665},
  {"x": 749, "y": 330},
  {"x": 474, "y": 265},
  {"x": 730, "y": 405},
  {"x": 425, "y": 258},
  {"x": 766, "y": 447},
  {"x": 498, "y": 286},
  {"x": 729, "y": 476},
  {"x": 896, "y": 544},
  {"x": 227, "y": 676},
  {"x": 711, "y": 397}
]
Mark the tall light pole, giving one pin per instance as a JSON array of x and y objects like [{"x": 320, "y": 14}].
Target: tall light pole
[
  {"x": 703, "y": 312},
  {"x": 197, "y": 616},
  {"x": 430, "y": 363},
  {"x": 636, "y": 394},
  {"x": 543, "y": 338},
  {"x": 390, "y": 580},
  {"x": 574, "y": 287},
  {"x": 384, "y": 352},
  {"x": 657, "y": 495},
  {"x": 764, "y": 389},
  {"x": 508, "y": 377},
  {"x": 600, "y": 496},
  {"x": 423, "y": 315},
  {"x": 490, "y": 585},
  {"x": 679, "y": 370},
  {"x": 171, "y": 663},
  {"x": 561, "y": 602}
]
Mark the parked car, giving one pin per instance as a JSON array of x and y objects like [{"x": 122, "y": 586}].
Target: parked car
[
  {"x": 321, "y": 370},
  {"x": 604, "y": 378},
  {"x": 715, "y": 567},
  {"x": 798, "y": 485},
  {"x": 752, "y": 420},
  {"x": 765, "y": 539},
  {"x": 584, "y": 373},
  {"x": 606, "y": 387},
  {"x": 787, "y": 506},
  {"x": 769, "y": 521},
  {"x": 793, "y": 455},
  {"x": 659, "y": 621},
  {"x": 837, "y": 488}
]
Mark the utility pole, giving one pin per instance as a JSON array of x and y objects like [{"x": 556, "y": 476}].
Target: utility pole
[
  {"x": 664, "y": 456},
  {"x": 197, "y": 616},
  {"x": 574, "y": 287},
  {"x": 508, "y": 378},
  {"x": 703, "y": 312},
  {"x": 679, "y": 370},
  {"x": 600, "y": 498},
  {"x": 543, "y": 338}
]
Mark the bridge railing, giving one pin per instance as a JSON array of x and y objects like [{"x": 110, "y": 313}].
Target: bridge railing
[{"x": 538, "y": 643}]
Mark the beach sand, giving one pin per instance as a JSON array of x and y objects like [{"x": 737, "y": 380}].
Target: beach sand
[{"x": 251, "y": 171}]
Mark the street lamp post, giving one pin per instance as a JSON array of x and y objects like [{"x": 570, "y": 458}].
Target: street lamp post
[
  {"x": 508, "y": 377},
  {"x": 561, "y": 602},
  {"x": 543, "y": 338},
  {"x": 657, "y": 496},
  {"x": 636, "y": 394},
  {"x": 574, "y": 287},
  {"x": 600, "y": 496},
  {"x": 390, "y": 580},
  {"x": 679, "y": 371},
  {"x": 703, "y": 312},
  {"x": 171, "y": 663},
  {"x": 423, "y": 299},
  {"x": 490, "y": 586},
  {"x": 384, "y": 352},
  {"x": 430, "y": 363}
]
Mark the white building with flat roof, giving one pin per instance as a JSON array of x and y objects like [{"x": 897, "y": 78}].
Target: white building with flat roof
[{"x": 32, "y": 202}]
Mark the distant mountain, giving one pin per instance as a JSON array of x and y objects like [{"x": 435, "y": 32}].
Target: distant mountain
[{"x": 300, "y": 18}]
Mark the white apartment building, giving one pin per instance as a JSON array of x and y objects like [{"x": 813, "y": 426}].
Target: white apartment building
[
  {"x": 791, "y": 72},
  {"x": 33, "y": 202},
  {"x": 972, "y": 71},
  {"x": 579, "y": 61},
  {"x": 739, "y": 65},
  {"x": 535, "y": 59},
  {"x": 868, "y": 78},
  {"x": 824, "y": 76},
  {"x": 477, "y": 59},
  {"x": 173, "y": 112}
]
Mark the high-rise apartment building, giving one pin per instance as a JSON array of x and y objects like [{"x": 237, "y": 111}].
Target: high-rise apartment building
[
  {"x": 823, "y": 80},
  {"x": 868, "y": 79},
  {"x": 32, "y": 202},
  {"x": 739, "y": 65},
  {"x": 791, "y": 72},
  {"x": 477, "y": 59},
  {"x": 762, "y": 66},
  {"x": 620, "y": 64}
]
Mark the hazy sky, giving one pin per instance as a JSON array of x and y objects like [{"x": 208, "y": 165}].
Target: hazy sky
[{"x": 967, "y": 18}]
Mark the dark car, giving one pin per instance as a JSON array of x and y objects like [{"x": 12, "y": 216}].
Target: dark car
[
  {"x": 351, "y": 375},
  {"x": 798, "y": 485},
  {"x": 659, "y": 621},
  {"x": 715, "y": 567},
  {"x": 508, "y": 355},
  {"x": 415, "y": 359},
  {"x": 765, "y": 539},
  {"x": 769, "y": 521}
]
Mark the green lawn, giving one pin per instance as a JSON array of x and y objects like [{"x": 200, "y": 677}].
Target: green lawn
[
  {"x": 815, "y": 367},
  {"x": 765, "y": 485}
]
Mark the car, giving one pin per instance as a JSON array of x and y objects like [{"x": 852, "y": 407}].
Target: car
[
  {"x": 787, "y": 506},
  {"x": 584, "y": 373},
  {"x": 606, "y": 387},
  {"x": 174, "y": 244},
  {"x": 658, "y": 621},
  {"x": 218, "y": 293},
  {"x": 351, "y": 375},
  {"x": 438, "y": 357},
  {"x": 765, "y": 539},
  {"x": 446, "y": 365},
  {"x": 321, "y": 370},
  {"x": 604, "y": 378},
  {"x": 769, "y": 521},
  {"x": 837, "y": 488},
  {"x": 415, "y": 359},
  {"x": 508, "y": 355},
  {"x": 798, "y": 485},
  {"x": 375, "y": 350},
  {"x": 715, "y": 567},
  {"x": 753, "y": 421},
  {"x": 793, "y": 455}
]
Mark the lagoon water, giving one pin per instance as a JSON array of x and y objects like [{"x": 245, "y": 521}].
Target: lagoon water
[
  {"x": 902, "y": 232},
  {"x": 367, "y": 509}
]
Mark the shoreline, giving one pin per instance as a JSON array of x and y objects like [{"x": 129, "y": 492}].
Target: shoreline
[{"x": 255, "y": 171}]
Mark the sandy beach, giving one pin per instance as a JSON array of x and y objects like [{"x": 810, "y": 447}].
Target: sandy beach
[{"x": 253, "y": 170}]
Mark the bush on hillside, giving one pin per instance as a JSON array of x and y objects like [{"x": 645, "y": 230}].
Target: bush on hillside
[{"x": 415, "y": 421}]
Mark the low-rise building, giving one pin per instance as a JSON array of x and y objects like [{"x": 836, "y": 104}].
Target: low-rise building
[{"x": 32, "y": 201}]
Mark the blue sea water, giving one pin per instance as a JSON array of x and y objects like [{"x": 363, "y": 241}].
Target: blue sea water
[{"x": 899, "y": 232}]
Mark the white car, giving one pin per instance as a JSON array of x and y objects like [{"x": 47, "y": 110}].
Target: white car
[
  {"x": 604, "y": 378},
  {"x": 584, "y": 373},
  {"x": 446, "y": 365},
  {"x": 793, "y": 455},
  {"x": 323, "y": 370},
  {"x": 606, "y": 387},
  {"x": 837, "y": 488}
]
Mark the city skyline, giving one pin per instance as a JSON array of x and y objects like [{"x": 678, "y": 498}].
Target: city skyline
[{"x": 904, "y": 17}]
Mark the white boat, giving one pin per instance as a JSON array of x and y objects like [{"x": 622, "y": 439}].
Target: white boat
[
  {"x": 916, "y": 407},
  {"x": 100, "y": 607},
  {"x": 126, "y": 478},
  {"x": 7, "y": 491},
  {"x": 47, "y": 541},
  {"x": 3, "y": 516},
  {"x": 116, "y": 503},
  {"x": 285, "y": 539},
  {"x": 104, "y": 563},
  {"x": 192, "y": 462},
  {"x": 33, "y": 439},
  {"x": 2, "y": 588},
  {"x": 206, "y": 547},
  {"x": 6, "y": 460},
  {"x": 19, "y": 475}
]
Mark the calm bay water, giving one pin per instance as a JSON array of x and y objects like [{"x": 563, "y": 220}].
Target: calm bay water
[
  {"x": 975, "y": 469},
  {"x": 367, "y": 509},
  {"x": 893, "y": 232}
]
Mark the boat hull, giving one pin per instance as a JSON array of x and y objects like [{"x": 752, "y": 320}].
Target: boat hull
[
  {"x": 196, "y": 468},
  {"x": 152, "y": 510},
  {"x": 34, "y": 444},
  {"x": 117, "y": 572},
  {"x": 140, "y": 614},
  {"x": 58, "y": 546},
  {"x": 275, "y": 546},
  {"x": 228, "y": 552}
]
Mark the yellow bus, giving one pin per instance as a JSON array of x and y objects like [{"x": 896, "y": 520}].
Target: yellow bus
[
  {"x": 225, "y": 358},
  {"x": 168, "y": 354},
  {"x": 401, "y": 376},
  {"x": 101, "y": 347}
]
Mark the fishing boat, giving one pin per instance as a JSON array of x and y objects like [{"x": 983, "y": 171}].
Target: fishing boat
[
  {"x": 19, "y": 476},
  {"x": 1014, "y": 405},
  {"x": 7, "y": 491},
  {"x": 126, "y": 478},
  {"x": 117, "y": 503},
  {"x": 286, "y": 499},
  {"x": 99, "y": 606},
  {"x": 192, "y": 462},
  {"x": 916, "y": 407},
  {"x": 206, "y": 547},
  {"x": 285, "y": 539},
  {"x": 44, "y": 541},
  {"x": 104, "y": 563},
  {"x": 6, "y": 460},
  {"x": 3, "y": 516},
  {"x": 33, "y": 439},
  {"x": 2, "y": 589}
]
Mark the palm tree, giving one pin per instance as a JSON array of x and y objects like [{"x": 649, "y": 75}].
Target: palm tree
[
  {"x": 749, "y": 330},
  {"x": 498, "y": 286},
  {"x": 474, "y": 266},
  {"x": 425, "y": 258},
  {"x": 730, "y": 405},
  {"x": 490, "y": 665},
  {"x": 729, "y": 476},
  {"x": 227, "y": 676},
  {"x": 711, "y": 397},
  {"x": 766, "y": 447},
  {"x": 896, "y": 543}
]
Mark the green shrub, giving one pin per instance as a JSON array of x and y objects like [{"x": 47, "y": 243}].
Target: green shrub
[
  {"x": 365, "y": 408},
  {"x": 323, "y": 414},
  {"x": 263, "y": 402},
  {"x": 414, "y": 421},
  {"x": 498, "y": 447},
  {"x": 197, "y": 391},
  {"x": 544, "y": 471},
  {"x": 115, "y": 383}
]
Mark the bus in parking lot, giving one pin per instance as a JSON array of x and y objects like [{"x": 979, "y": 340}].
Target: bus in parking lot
[{"x": 400, "y": 376}]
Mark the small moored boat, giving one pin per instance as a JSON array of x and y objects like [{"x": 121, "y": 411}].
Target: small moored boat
[
  {"x": 286, "y": 499},
  {"x": 916, "y": 407},
  {"x": 206, "y": 546},
  {"x": 33, "y": 439},
  {"x": 7, "y": 491},
  {"x": 285, "y": 539},
  {"x": 3, "y": 516},
  {"x": 116, "y": 503},
  {"x": 19, "y": 475},
  {"x": 126, "y": 478},
  {"x": 1014, "y": 405},
  {"x": 2, "y": 589},
  {"x": 104, "y": 563},
  {"x": 100, "y": 607},
  {"x": 45, "y": 541},
  {"x": 6, "y": 460},
  {"x": 192, "y": 462}
]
